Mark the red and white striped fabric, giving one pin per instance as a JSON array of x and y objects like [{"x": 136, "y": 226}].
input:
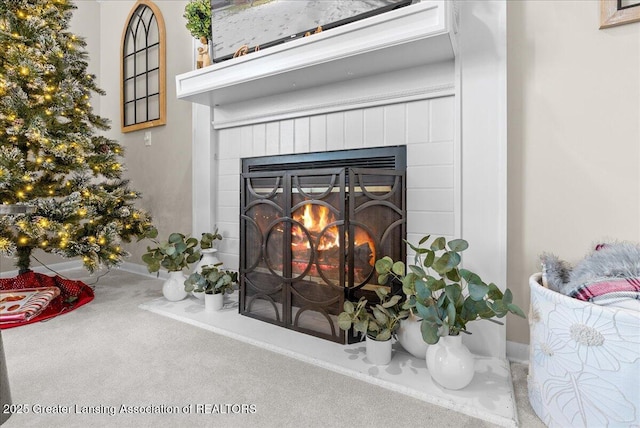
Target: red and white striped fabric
[
  {"x": 23, "y": 305},
  {"x": 72, "y": 295},
  {"x": 595, "y": 289}
]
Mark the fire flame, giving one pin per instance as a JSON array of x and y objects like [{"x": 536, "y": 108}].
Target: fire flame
[{"x": 315, "y": 218}]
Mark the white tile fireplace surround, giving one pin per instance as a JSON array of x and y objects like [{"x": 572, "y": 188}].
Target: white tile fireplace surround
[{"x": 430, "y": 76}]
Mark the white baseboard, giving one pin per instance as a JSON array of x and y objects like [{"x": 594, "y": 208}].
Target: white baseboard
[
  {"x": 77, "y": 264},
  {"x": 142, "y": 270},
  {"x": 517, "y": 352},
  {"x": 48, "y": 269}
]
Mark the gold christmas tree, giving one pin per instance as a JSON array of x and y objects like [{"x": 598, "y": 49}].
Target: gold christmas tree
[{"x": 52, "y": 155}]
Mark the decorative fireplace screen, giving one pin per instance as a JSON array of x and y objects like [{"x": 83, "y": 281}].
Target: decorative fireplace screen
[{"x": 312, "y": 227}]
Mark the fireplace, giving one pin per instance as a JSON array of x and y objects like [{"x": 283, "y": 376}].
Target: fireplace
[
  {"x": 311, "y": 228},
  {"x": 392, "y": 79}
]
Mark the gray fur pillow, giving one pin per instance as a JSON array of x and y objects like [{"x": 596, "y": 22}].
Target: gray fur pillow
[
  {"x": 555, "y": 272},
  {"x": 607, "y": 261}
]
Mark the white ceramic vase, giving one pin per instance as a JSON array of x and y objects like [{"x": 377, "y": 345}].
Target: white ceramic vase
[
  {"x": 378, "y": 352},
  {"x": 410, "y": 337},
  {"x": 213, "y": 302},
  {"x": 208, "y": 258},
  {"x": 450, "y": 363},
  {"x": 173, "y": 287}
]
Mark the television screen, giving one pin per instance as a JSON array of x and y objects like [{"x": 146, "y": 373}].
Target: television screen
[{"x": 264, "y": 23}]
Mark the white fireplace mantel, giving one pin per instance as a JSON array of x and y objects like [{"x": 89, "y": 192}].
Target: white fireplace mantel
[{"x": 416, "y": 35}]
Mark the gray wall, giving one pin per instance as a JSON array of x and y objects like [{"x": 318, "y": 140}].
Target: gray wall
[{"x": 162, "y": 172}]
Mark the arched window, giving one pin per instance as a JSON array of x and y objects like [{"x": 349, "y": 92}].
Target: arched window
[{"x": 143, "y": 77}]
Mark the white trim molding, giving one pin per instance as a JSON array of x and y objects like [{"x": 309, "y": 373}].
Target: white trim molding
[
  {"x": 47, "y": 269},
  {"x": 142, "y": 270},
  {"x": 417, "y": 83},
  {"x": 517, "y": 352}
]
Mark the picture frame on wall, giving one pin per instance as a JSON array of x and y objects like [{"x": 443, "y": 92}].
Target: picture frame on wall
[{"x": 618, "y": 12}]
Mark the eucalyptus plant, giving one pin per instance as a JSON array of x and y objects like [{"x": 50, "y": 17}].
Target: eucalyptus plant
[
  {"x": 207, "y": 239},
  {"x": 211, "y": 280},
  {"x": 444, "y": 295},
  {"x": 174, "y": 254},
  {"x": 379, "y": 321}
]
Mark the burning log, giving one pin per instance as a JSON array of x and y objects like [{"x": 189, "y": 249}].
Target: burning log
[{"x": 363, "y": 255}]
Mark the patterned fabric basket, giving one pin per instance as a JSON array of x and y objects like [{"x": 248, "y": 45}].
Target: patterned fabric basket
[{"x": 584, "y": 361}]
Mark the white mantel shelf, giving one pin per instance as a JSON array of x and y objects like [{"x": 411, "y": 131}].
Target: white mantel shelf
[{"x": 419, "y": 34}]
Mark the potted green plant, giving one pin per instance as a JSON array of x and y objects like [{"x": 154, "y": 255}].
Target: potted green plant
[
  {"x": 198, "y": 16},
  {"x": 207, "y": 244},
  {"x": 174, "y": 254},
  {"x": 208, "y": 240},
  {"x": 377, "y": 323},
  {"x": 214, "y": 283},
  {"x": 446, "y": 297}
]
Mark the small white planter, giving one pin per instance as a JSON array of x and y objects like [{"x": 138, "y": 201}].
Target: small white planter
[
  {"x": 450, "y": 363},
  {"x": 173, "y": 287},
  {"x": 208, "y": 258},
  {"x": 213, "y": 302},
  {"x": 410, "y": 337},
  {"x": 378, "y": 352}
]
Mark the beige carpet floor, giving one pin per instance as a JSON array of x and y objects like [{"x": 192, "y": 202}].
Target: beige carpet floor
[{"x": 152, "y": 371}]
